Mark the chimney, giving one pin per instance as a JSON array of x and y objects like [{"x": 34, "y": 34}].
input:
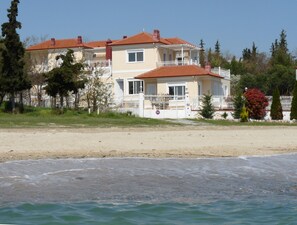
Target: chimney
[
  {"x": 156, "y": 35},
  {"x": 108, "y": 50},
  {"x": 124, "y": 37},
  {"x": 208, "y": 67},
  {"x": 53, "y": 41},
  {"x": 79, "y": 40}
]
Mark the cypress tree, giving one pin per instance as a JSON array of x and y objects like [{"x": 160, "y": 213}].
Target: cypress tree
[
  {"x": 238, "y": 103},
  {"x": 293, "y": 115},
  {"x": 13, "y": 78},
  {"x": 202, "y": 54},
  {"x": 276, "y": 110}
]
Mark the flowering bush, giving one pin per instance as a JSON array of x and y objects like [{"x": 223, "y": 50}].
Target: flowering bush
[{"x": 256, "y": 102}]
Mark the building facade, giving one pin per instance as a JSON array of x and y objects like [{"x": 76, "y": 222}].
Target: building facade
[{"x": 143, "y": 63}]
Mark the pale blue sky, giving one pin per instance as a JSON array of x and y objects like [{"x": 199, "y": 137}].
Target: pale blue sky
[{"x": 235, "y": 23}]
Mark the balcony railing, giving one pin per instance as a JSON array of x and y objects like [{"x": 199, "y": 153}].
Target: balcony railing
[
  {"x": 178, "y": 63},
  {"x": 222, "y": 72}
]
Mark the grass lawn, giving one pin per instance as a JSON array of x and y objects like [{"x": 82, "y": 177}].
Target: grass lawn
[
  {"x": 44, "y": 118},
  {"x": 251, "y": 123}
]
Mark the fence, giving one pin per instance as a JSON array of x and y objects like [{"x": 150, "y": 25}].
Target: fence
[{"x": 169, "y": 106}]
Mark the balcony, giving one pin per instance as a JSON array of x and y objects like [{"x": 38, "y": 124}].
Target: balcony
[
  {"x": 100, "y": 66},
  {"x": 178, "y": 63},
  {"x": 222, "y": 72}
]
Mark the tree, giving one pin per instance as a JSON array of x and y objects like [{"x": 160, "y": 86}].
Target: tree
[
  {"x": 97, "y": 92},
  {"x": 238, "y": 103},
  {"x": 2, "y": 93},
  {"x": 276, "y": 110},
  {"x": 66, "y": 78},
  {"x": 36, "y": 68},
  {"x": 256, "y": 103},
  {"x": 207, "y": 107},
  {"x": 293, "y": 114},
  {"x": 202, "y": 54},
  {"x": 13, "y": 78}
]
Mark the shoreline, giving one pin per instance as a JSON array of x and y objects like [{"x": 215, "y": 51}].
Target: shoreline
[{"x": 152, "y": 142}]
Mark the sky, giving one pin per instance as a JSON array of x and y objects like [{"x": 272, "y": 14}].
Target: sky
[{"x": 236, "y": 24}]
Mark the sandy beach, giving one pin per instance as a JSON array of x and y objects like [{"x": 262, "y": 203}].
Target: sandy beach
[{"x": 178, "y": 142}]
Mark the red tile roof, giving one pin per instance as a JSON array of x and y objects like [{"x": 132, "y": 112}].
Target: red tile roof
[
  {"x": 98, "y": 44},
  {"x": 177, "y": 40},
  {"x": 177, "y": 71},
  {"x": 59, "y": 44},
  {"x": 141, "y": 38}
]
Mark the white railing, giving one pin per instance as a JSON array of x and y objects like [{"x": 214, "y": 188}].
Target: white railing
[
  {"x": 100, "y": 66},
  {"x": 164, "y": 101},
  {"x": 218, "y": 101},
  {"x": 222, "y": 72},
  {"x": 285, "y": 102},
  {"x": 178, "y": 63}
]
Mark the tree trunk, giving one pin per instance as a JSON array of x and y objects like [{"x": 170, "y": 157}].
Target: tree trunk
[
  {"x": 39, "y": 95},
  {"x": 1, "y": 98},
  {"x": 12, "y": 100},
  {"x": 94, "y": 104},
  {"x": 30, "y": 97},
  {"x": 61, "y": 102},
  {"x": 76, "y": 101}
]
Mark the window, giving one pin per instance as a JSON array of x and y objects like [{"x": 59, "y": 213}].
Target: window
[
  {"x": 177, "y": 91},
  {"x": 135, "y": 56},
  {"x": 135, "y": 87}
]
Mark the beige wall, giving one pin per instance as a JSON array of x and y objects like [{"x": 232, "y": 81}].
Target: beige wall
[
  {"x": 191, "y": 84},
  {"x": 120, "y": 59}
]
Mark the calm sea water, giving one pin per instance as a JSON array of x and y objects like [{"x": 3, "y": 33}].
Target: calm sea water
[{"x": 252, "y": 190}]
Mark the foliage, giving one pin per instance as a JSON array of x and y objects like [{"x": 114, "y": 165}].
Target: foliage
[
  {"x": 244, "y": 114},
  {"x": 238, "y": 103},
  {"x": 256, "y": 103},
  {"x": 97, "y": 93},
  {"x": 207, "y": 108},
  {"x": 293, "y": 114},
  {"x": 202, "y": 54},
  {"x": 276, "y": 110},
  {"x": 215, "y": 58},
  {"x": 12, "y": 77},
  {"x": 225, "y": 115},
  {"x": 259, "y": 71},
  {"x": 66, "y": 78}
]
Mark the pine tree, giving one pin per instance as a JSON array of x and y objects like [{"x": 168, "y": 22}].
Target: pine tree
[
  {"x": 207, "y": 108},
  {"x": 217, "y": 48},
  {"x": 202, "y": 54},
  {"x": 293, "y": 115},
  {"x": 238, "y": 103},
  {"x": 276, "y": 111},
  {"x": 13, "y": 79}
]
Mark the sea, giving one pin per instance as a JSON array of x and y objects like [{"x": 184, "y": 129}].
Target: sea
[{"x": 242, "y": 190}]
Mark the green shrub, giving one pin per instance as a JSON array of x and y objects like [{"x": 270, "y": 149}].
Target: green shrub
[
  {"x": 293, "y": 114},
  {"x": 225, "y": 115},
  {"x": 244, "y": 115},
  {"x": 19, "y": 108},
  {"x": 238, "y": 102},
  {"x": 207, "y": 108},
  {"x": 276, "y": 110}
]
